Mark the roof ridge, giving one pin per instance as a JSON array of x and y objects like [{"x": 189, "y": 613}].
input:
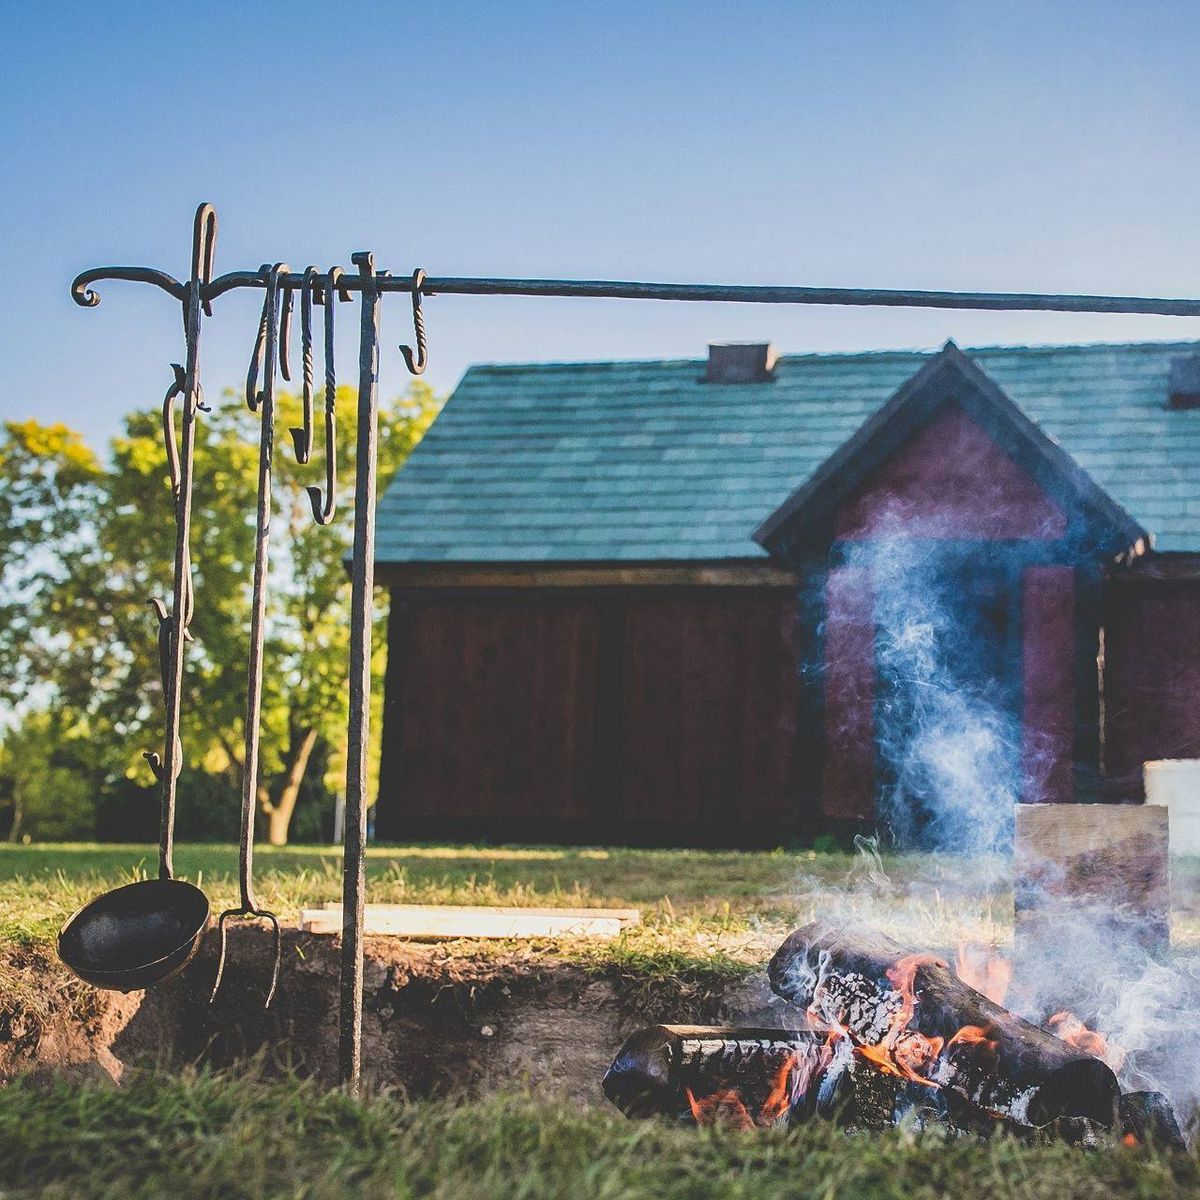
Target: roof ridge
[{"x": 608, "y": 364}]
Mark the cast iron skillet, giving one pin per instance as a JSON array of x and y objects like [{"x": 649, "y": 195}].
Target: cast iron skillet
[{"x": 137, "y": 935}]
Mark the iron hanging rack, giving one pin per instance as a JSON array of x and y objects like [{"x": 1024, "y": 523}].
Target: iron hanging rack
[{"x": 197, "y": 297}]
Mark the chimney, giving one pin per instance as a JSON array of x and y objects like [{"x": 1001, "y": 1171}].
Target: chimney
[
  {"x": 1184, "y": 388},
  {"x": 740, "y": 362}
]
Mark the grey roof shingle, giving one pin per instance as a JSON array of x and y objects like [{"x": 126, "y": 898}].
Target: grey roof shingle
[{"x": 641, "y": 461}]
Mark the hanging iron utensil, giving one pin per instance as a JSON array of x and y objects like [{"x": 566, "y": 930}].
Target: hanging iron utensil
[
  {"x": 264, "y": 403},
  {"x": 324, "y": 508},
  {"x": 417, "y": 363},
  {"x": 137, "y": 935},
  {"x": 302, "y": 438}
]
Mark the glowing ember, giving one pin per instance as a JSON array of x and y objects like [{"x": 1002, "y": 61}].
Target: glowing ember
[
  {"x": 723, "y": 1107},
  {"x": 1070, "y": 1029},
  {"x": 727, "y": 1106},
  {"x": 984, "y": 969}
]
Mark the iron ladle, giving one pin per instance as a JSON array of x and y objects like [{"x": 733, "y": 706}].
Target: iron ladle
[{"x": 137, "y": 935}]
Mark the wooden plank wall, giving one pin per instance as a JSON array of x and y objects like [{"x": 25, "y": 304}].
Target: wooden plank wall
[
  {"x": 1151, "y": 677},
  {"x": 644, "y": 715}
]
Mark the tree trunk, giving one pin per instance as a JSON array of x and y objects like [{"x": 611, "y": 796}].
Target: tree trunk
[
  {"x": 279, "y": 813},
  {"x": 18, "y": 797}
]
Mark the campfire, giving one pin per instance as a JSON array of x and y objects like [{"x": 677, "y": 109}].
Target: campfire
[{"x": 886, "y": 1035}]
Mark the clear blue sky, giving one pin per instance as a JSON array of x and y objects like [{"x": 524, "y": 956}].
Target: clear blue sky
[{"x": 1015, "y": 145}]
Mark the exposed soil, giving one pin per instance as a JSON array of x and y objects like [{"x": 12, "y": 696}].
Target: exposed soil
[{"x": 437, "y": 1018}]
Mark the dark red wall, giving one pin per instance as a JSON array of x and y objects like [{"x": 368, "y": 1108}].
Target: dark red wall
[
  {"x": 1151, "y": 676},
  {"x": 950, "y": 481},
  {"x": 637, "y": 715}
]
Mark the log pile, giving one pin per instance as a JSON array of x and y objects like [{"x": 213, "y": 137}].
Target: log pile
[{"x": 887, "y": 1035}]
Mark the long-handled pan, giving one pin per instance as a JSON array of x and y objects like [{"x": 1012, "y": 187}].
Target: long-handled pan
[
  {"x": 263, "y": 359},
  {"x": 137, "y": 935}
]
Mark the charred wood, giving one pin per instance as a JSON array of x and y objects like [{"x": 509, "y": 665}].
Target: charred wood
[
  {"x": 913, "y": 1017},
  {"x": 702, "y": 1074},
  {"x": 1149, "y": 1117}
]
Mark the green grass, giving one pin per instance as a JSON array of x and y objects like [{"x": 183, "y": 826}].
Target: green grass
[
  {"x": 735, "y": 898},
  {"x": 231, "y": 1137}
]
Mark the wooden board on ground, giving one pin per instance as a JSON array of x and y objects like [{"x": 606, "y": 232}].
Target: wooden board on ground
[
  {"x": 438, "y": 922},
  {"x": 1109, "y": 858}
]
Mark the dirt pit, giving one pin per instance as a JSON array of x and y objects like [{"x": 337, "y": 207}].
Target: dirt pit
[{"x": 437, "y": 1019}]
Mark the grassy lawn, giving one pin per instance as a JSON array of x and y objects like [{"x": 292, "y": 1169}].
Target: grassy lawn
[
  {"x": 696, "y": 903},
  {"x": 247, "y": 1135},
  {"x": 206, "y": 1136}
]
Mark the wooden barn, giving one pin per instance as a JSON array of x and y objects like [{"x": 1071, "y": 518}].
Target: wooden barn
[{"x": 660, "y": 602}]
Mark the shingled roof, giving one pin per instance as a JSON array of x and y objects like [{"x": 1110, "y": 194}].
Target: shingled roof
[{"x": 645, "y": 462}]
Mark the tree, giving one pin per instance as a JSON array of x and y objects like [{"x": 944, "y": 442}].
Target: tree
[
  {"x": 88, "y": 546},
  {"x": 47, "y": 794}
]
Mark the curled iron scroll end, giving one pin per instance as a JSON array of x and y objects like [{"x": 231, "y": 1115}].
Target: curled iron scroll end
[{"x": 83, "y": 295}]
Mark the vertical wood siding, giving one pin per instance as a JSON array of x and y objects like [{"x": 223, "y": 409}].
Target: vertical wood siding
[
  {"x": 659, "y": 715},
  {"x": 1151, "y": 678}
]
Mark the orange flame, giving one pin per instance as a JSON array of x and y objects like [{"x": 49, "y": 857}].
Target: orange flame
[
  {"x": 724, "y": 1107},
  {"x": 982, "y": 968},
  {"x": 727, "y": 1107},
  {"x": 1069, "y": 1028},
  {"x": 904, "y": 1052}
]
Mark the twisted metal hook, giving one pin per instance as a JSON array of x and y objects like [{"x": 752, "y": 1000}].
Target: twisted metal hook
[
  {"x": 416, "y": 365},
  {"x": 302, "y": 438},
  {"x": 324, "y": 508}
]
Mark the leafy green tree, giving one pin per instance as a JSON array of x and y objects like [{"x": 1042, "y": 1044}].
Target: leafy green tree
[
  {"x": 44, "y": 781},
  {"x": 88, "y": 546}
]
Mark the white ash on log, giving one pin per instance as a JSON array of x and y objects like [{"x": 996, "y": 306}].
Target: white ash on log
[{"x": 913, "y": 1017}]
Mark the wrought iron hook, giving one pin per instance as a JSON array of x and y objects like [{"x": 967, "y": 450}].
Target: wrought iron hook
[
  {"x": 285, "y": 334},
  {"x": 165, "y": 620},
  {"x": 416, "y": 365},
  {"x": 302, "y": 438},
  {"x": 204, "y": 249},
  {"x": 258, "y": 359},
  {"x": 324, "y": 508}
]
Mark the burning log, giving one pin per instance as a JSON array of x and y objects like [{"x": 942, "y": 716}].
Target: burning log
[
  {"x": 703, "y": 1075},
  {"x": 915, "y": 1019}
]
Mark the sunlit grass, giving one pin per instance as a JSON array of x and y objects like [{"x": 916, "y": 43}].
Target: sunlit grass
[{"x": 248, "y": 1137}]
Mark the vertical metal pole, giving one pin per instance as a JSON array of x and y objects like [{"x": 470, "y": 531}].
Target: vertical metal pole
[
  {"x": 361, "y": 597},
  {"x": 204, "y": 238}
]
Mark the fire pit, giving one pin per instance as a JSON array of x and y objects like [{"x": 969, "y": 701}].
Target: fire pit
[{"x": 884, "y": 1035}]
